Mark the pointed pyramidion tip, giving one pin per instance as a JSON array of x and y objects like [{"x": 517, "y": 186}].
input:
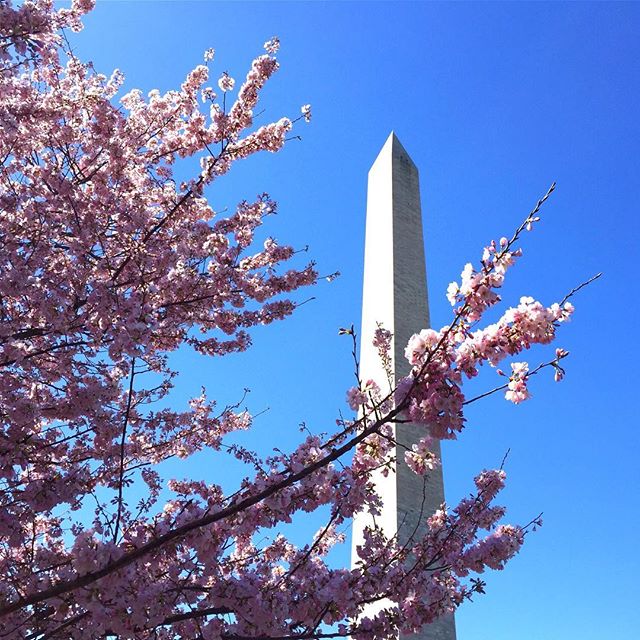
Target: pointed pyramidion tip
[{"x": 393, "y": 148}]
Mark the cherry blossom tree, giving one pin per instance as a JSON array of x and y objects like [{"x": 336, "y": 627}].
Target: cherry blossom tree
[{"x": 108, "y": 264}]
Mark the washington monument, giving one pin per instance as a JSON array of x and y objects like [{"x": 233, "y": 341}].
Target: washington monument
[{"x": 395, "y": 294}]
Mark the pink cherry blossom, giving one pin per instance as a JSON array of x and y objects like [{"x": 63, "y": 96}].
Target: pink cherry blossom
[
  {"x": 421, "y": 459},
  {"x": 272, "y": 46},
  {"x": 226, "y": 82},
  {"x": 517, "y": 387}
]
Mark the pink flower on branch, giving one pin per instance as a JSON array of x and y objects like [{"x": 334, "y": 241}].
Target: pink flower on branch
[
  {"x": 226, "y": 82},
  {"x": 421, "y": 459},
  {"x": 272, "y": 46},
  {"x": 517, "y": 388}
]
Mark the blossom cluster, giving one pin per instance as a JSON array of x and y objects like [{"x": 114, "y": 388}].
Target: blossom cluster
[
  {"x": 421, "y": 459},
  {"x": 442, "y": 359}
]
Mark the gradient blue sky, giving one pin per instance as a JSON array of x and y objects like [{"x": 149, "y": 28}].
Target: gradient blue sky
[{"x": 493, "y": 102}]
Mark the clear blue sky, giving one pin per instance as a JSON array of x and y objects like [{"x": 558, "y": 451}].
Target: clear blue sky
[{"x": 493, "y": 102}]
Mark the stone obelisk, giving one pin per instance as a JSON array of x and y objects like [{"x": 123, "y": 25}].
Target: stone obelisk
[{"x": 395, "y": 295}]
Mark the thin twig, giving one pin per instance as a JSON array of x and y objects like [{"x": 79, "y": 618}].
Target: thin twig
[
  {"x": 580, "y": 286},
  {"x": 122, "y": 449}
]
